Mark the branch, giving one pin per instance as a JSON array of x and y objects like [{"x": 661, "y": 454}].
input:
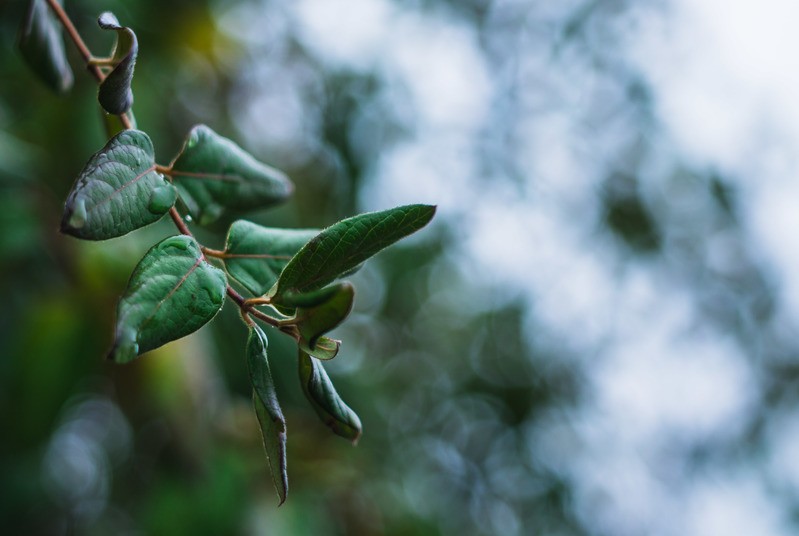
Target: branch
[{"x": 246, "y": 309}]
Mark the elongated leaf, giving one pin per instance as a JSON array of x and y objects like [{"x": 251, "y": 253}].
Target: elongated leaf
[
  {"x": 267, "y": 409},
  {"x": 214, "y": 174},
  {"x": 118, "y": 190},
  {"x": 325, "y": 400},
  {"x": 255, "y": 255},
  {"x": 115, "y": 95},
  {"x": 42, "y": 46},
  {"x": 344, "y": 245},
  {"x": 321, "y": 311},
  {"x": 173, "y": 292}
]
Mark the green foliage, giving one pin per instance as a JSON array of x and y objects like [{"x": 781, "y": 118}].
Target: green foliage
[
  {"x": 178, "y": 287},
  {"x": 115, "y": 95},
  {"x": 214, "y": 174},
  {"x": 42, "y": 47},
  {"x": 325, "y": 400},
  {"x": 346, "y": 244},
  {"x": 173, "y": 292},
  {"x": 255, "y": 255},
  {"x": 118, "y": 190},
  {"x": 267, "y": 409}
]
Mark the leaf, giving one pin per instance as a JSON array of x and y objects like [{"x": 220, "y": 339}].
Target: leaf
[
  {"x": 255, "y": 255},
  {"x": 321, "y": 311},
  {"x": 267, "y": 409},
  {"x": 115, "y": 95},
  {"x": 328, "y": 405},
  {"x": 173, "y": 292},
  {"x": 214, "y": 174},
  {"x": 346, "y": 244},
  {"x": 41, "y": 44},
  {"x": 118, "y": 190}
]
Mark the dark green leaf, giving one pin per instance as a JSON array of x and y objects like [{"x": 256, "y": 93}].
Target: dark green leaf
[
  {"x": 255, "y": 255},
  {"x": 173, "y": 292},
  {"x": 267, "y": 408},
  {"x": 115, "y": 95},
  {"x": 325, "y": 400},
  {"x": 42, "y": 47},
  {"x": 214, "y": 174},
  {"x": 118, "y": 190},
  {"x": 321, "y": 311},
  {"x": 344, "y": 245}
]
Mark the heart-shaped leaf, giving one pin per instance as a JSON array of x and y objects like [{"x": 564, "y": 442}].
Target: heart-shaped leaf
[
  {"x": 118, "y": 190},
  {"x": 255, "y": 255},
  {"x": 115, "y": 95},
  {"x": 173, "y": 292},
  {"x": 346, "y": 244},
  {"x": 325, "y": 400},
  {"x": 320, "y": 311},
  {"x": 214, "y": 174},
  {"x": 42, "y": 47},
  {"x": 267, "y": 409}
]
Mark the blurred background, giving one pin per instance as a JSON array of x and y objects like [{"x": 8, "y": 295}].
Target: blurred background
[{"x": 598, "y": 335}]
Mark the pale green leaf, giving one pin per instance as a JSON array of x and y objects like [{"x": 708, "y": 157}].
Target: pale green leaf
[
  {"x": 213, "y": 175},
  {"x": 118, "y": 190},
  {"x": 344, "y": 245},
  {"x": 255, "y": 255},
  {"x": 173, "y": 292},
  {"x": 42, "y": 46},
  {"x": 267, "y": 409},
  {"x": 325, "y": 400},
  {"x": 115, "y": 94}
]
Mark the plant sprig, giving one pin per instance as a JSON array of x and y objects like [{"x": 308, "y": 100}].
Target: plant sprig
[{"x": 292, "y": 276}]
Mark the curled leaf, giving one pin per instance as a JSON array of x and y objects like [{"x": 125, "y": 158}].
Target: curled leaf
[
  {"x": 325, "y": 400},
  {"x": 213, "y": 174},
  {"x": 267, "y": 409},
  {"x": 115, "y": 95},
  {"x": 172, "y": 292},
  {"x": 321, "y": 311},
  {"x": 42, "y": 46},
  {"x": 255, "y": 255},
  {"x": 344, "y": 245},
  {"x": 118, "y": 190}
]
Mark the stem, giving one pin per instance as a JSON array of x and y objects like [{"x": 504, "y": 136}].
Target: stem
[
  {"x": 94, "y": 69},
  {"x": 215, "y": 253}
]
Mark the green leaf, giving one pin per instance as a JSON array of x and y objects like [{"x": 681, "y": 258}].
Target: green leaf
[
  {"x": 325, "y": 400},
  {"x": 42, "y": 46},
  {"x": 173, "y": 292},
  {"x": 118, "y": 190},
  {"x": 346, "y": 244},
  {"x": 321, "y": 311},
  {"x": 213, "y": 174},
  {"x": 115, "y": 95},
  {"x": 267, "y": 409},
  {"x": 255, "y": 255}
]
